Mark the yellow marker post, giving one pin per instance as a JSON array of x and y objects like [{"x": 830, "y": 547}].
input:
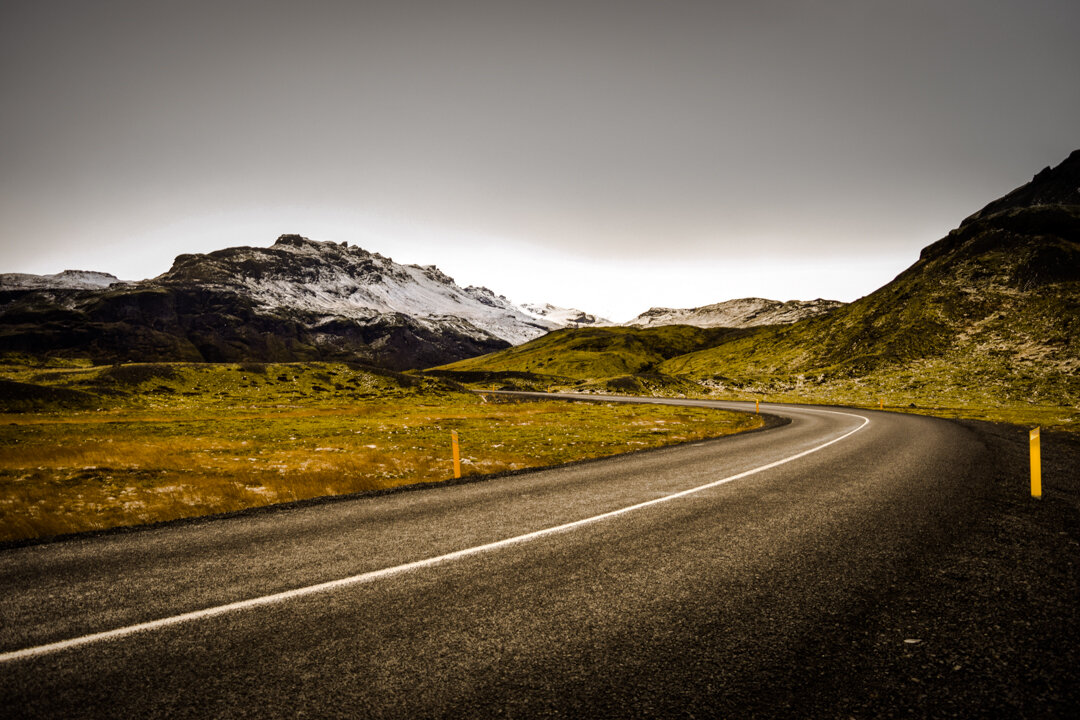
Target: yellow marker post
[
  {"x": 1036, "y": 465},
  {"x": 757, "y": 405},
  {"x": 881, "y": 403},
  {"x": 457, "y": 453}
]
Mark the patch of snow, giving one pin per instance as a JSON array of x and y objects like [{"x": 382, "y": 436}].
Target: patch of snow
[
  {"x": 565, "y": 317},
  {"x": 334, "y": 281},
  {"x": 741, "y": 313},
  {"x": 66, "y": 280}
]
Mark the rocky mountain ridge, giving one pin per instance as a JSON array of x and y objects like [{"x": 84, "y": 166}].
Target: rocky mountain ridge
[
  {"x": 296, "y": 300},
  {"x": 339, "y": 281},
  {"x": 1058, "y": 185},
  {"x": 66, "y": 280},
  {"x": 738, "y": 313}
]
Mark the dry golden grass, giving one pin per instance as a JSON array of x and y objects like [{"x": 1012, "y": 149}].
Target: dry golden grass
[{"x": 71, "y": 472}]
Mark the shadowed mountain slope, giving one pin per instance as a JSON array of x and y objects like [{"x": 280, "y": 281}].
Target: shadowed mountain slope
[{"x": 998, "y": 298}]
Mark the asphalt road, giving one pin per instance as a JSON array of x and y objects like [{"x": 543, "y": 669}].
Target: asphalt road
[{"x": 738, "y": 599}]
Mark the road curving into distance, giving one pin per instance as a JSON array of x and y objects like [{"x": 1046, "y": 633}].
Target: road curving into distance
[{"x": 694, "y": 580}]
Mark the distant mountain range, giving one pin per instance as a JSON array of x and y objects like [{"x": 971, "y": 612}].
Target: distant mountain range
[
  {"x": 296, "y": 300},
  {"x": 299, "y": 300},
  {"x": 66, "y": 280},
  {"x": 741, "y": 313},
  {"x": 998, "y": 297},
  {"x": 988, "y": 314}
]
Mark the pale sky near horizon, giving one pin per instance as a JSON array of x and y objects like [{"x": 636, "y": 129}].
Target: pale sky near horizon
[{"x": 610, "y": 156}]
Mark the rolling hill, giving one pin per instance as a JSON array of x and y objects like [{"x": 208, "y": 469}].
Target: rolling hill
[
  {"x": 588, "y": 353},
  {"x": 988, "y": 314}
]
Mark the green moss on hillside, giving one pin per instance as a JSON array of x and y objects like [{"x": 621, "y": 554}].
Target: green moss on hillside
[
  {"x": 593, "y": 353},
  {"x": 985, "y": 324}
]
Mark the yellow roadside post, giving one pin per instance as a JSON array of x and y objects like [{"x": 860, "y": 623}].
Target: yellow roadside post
[
  {"x": 457, "y": 453},
  {"x": 1036, "y": 465},
  {"x": 881, "y": 403}
]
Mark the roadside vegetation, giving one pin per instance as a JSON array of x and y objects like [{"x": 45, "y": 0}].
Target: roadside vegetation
[
  {"x": 88, "y": 448},
  {"x": 763, "y": 364},
  {"x": 990, "y": 390}
]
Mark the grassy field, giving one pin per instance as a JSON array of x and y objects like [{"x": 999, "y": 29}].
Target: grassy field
[{"x": 87, "y": 448}]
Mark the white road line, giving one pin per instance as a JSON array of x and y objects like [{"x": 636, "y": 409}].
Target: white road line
[{"x": 398, "y": 569}]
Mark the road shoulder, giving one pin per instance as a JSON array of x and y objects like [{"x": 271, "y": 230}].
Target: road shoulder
[{"x": 985, "y": 626}]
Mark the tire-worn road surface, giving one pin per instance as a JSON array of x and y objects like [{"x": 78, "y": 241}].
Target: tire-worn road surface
[{"x": 782, "y": 593}]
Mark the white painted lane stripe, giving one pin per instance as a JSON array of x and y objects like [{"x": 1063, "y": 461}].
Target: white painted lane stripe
[{"x": 398, "y": 569}]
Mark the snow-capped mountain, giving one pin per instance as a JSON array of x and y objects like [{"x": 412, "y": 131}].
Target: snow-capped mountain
[
  {"x": 564, "y": 317},
  {"x": 337, "y": 281},
  {"x": 66, "y": 280},
  {"x": 296, "y": 300},
  {"x": 741, "y": 313}
]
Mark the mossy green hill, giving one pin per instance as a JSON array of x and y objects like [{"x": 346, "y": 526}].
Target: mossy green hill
[
  {"x": 999, "y": 296},
  {"x": 590, "y": 353},
  {"x": 989, "y": 316}
]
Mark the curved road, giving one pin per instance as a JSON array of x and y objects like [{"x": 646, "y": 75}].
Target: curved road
[{"x": 698, "y": 580}]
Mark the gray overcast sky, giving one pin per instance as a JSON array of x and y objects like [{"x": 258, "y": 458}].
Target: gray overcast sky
[{"x": 605, "y": 155}]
